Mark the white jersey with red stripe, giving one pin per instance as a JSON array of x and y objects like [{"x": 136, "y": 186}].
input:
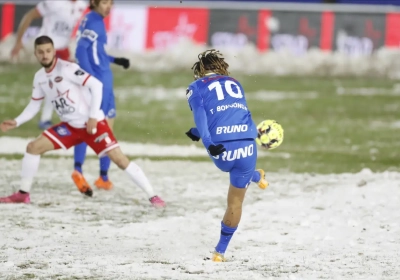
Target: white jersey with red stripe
[
  {"x": 65, "y": 86},
  {"x": 59, "y": 19}
]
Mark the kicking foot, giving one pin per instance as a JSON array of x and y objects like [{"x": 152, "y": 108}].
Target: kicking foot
[
  {"x": 262, "y": 184},
  {"x": 105, "y": 185},
  {"x": 157, "y": 202},
  {"x": 81, "y": 183},
  {"x": 16, "y": 198}
]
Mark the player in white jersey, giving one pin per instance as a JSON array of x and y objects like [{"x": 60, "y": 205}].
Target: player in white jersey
[
  {"x": 59, "y": 20},
  {"x": 76, "y": 96}
]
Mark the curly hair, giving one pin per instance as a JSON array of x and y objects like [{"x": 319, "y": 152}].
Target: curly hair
[{"x": 210, "y": 60}]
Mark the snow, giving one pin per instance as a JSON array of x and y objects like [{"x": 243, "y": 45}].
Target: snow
[
  {"x": 304, "y": 226},
  {"x": 384, "y": 62},
  {"x": 17, "y": 146}
]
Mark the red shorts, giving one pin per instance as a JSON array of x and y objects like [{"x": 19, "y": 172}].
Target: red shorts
[
  {"x": 64, "y": 136},
  {"x": 63, "y": 54}
]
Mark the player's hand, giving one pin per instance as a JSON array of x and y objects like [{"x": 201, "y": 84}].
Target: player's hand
[
  {"x": 216, "y": 150},
  {"x": 192, "y": 136},
  {"x": 16, "y": 49},
  {"x": 8, "y": 125},
  {"x": 91, "y": 126},
  {"x": 122, "y": 61}
]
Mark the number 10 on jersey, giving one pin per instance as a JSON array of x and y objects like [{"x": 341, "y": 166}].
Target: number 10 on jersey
[{"x": 227, "y": 88}]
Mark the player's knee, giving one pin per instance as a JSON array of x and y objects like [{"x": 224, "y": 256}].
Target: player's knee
[
  {"x": 33, "y": 148},
  {"x": 118, "y": 158}
]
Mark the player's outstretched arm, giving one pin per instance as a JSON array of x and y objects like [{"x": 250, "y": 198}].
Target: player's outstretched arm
[
  {"x": 27, "y": 114},
  {"x": 8, "y": 125},
  {"x": 23, "y": 26}
]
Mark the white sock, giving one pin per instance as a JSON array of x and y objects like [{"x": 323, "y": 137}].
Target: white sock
[
  {"x": 47, "y": 110},
  {"x": 139, "y": 178},
  {"x": 30, "y": 166}
]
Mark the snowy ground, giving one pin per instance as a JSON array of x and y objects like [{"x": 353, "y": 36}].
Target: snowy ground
[{"x": 303, "y": 227}]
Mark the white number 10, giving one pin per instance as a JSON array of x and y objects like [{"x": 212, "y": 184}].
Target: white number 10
[{"x": 228, "y": 88}]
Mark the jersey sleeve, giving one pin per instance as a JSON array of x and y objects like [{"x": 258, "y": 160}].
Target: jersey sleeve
[
  {"x": 76, "y": 75},
  {"x": 200, "y": 117},
  {"x": 33, "y": 107},
  {"x": 37, "y": 92},
  {"x": 46, "y": 8},
  {"x": 88, "y": 35},
  {"x": 89, "y": 32}
]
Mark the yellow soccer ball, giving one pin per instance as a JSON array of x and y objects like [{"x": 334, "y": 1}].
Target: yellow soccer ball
[{"x": 270, "y": 134}]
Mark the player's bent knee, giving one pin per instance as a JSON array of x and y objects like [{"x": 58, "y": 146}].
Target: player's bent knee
[
  {"x": 118, "y": 158},
  {"x": 39, "y": 146}
]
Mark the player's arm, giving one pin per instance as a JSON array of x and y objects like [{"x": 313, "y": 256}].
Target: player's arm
[
  {"x": 85, "y": 41},
  {"x": 42, "y": 9},
  {"x": 84, "y": 79},
  {"x": 200, "y": 118},
  {"x": 28, "y": 113}
]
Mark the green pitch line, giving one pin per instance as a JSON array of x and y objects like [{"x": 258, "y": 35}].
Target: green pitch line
[{"x": 325, "y": 132}]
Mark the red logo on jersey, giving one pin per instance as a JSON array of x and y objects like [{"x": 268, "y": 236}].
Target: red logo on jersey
[{"x": 58, "y": 79}]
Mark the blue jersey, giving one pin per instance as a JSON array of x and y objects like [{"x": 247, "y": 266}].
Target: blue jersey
[
  {"x": 220, "y": 110},
  {"x": 90, "y": 51}
]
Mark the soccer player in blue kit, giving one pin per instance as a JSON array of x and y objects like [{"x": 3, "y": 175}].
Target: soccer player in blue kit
[
  {"x": 224, "y": 124},
  {"x": 92, "y": 57}
]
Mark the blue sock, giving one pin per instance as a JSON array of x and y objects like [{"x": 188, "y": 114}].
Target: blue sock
[
  {"x": 256, "y": 177},
  {"x": 226, "y": 235},
  {"x": 79, "y": 156},
  {"x": 104, "y": 166}
]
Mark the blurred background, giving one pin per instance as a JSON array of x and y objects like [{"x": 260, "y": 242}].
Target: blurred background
[{"x": 326, "y": 70}]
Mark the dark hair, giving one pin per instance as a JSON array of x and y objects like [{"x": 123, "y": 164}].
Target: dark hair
[
  {"x": 41, "y": 40},
  {"x": 210, "y": 60},
  {"x": 93, "y": 4}
]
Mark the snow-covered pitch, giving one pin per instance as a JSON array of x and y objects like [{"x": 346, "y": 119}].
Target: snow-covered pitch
[{"x": 304, "y": 226}]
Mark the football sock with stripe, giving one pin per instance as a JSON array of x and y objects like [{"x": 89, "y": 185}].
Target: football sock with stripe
[{"x": 225, "y": 238}]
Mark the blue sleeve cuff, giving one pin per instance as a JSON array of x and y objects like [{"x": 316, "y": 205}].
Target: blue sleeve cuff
[{"x": 111, "y": 58}]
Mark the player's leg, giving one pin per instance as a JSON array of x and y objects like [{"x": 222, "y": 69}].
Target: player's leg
[
  {"x": 47, "y": 113},
  {"x": 230, "y": 222},
  {"x": 108, "y": 107},
  {"x": 244, "y": 156},
  {"x": 54, "y": 138},
  {"x": 106, "y": 144},
  {"x": 79, "y": 156},
  {"x": 259, "y": 179}
]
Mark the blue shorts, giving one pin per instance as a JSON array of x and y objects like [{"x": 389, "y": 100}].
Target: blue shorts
[
  {"x": 239, "y": 160},
  {"x": 108, "y": 103}
]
